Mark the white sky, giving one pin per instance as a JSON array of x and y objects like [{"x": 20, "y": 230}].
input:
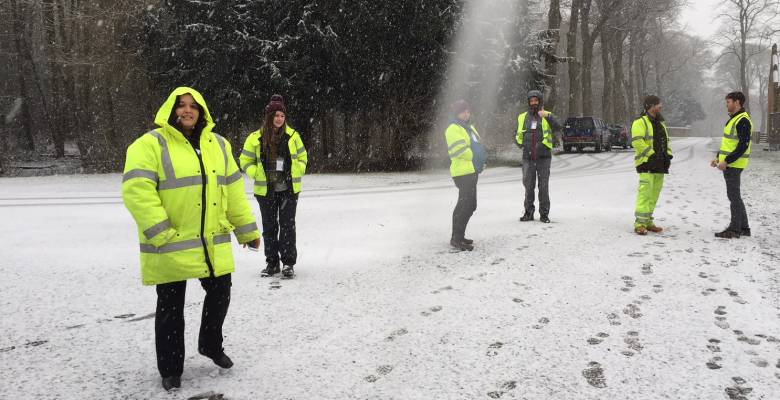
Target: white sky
[{"x": 699, "y": 17}]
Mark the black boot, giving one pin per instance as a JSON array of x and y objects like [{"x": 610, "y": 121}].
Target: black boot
[
  {"x": 745, "y": 232},
  {"x": 222, "y": 360},
  {"x": 171, "y": 382},
  {"x": 271, "y": 269},
  {"x": 468, "y": 241},
  {"x": 288, "y": 272},
  {"x": 544, "y": 218},
  {"x": 527, "y": 217},
  {"x": 728, "y": 234},
  {"x": 460, "y": 244}
]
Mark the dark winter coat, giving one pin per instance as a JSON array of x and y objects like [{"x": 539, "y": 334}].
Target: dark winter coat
[
  {"x": 531, "y": 152},
  {"x": 660, "y": 160}
]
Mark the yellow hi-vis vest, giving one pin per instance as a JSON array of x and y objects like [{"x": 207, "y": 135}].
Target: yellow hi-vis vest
[
  {"x": 642, "y": 139},
  {"x": 547, "y": 137},
  {"x": 731, "y": 139},
  {"x": 459, "y": 149},
  {"x": 185, "y": 204},
  {"x": 252, "y": 163}
]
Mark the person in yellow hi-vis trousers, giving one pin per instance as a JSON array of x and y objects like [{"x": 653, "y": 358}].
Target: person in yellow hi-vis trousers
[{"x": 650, "y": 139}]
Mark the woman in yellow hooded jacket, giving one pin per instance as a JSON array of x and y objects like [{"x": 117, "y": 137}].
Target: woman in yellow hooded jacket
[{"x": 185, "y": 192}]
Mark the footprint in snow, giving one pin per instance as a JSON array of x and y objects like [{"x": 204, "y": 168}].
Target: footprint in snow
[
  {"x": 444, "y": 289},
  {"x": 493, "y": 349},
  {"x": 598, "y": 339},
  {"x": 744, "y": 339},
  {"x": 431, "y": 310},
  {"x": 721, "y": 323},
  {"x": 542, "y": 322},
  {"x": 384, "y": 369},
  {"x": 713, "y": 345},
  {"x": 508, "y": 385},
  {"x": 714, "y": 363},
  {"x": 633, "y": 311},
  {"x": 594, "y": 375},
  {"x": 632, "y": 341},
  {"x": 647, "y": 269},
  {"x": 738, "y": 392},
  {"x": 395, "y": 334}
]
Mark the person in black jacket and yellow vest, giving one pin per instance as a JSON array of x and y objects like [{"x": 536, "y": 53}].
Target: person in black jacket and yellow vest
[
  {"x": 733, "y": 157},
  {"x": 535, "y": 129}
]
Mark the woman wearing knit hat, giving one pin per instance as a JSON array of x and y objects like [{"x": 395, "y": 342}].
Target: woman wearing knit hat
[
  {"x": 467, "y": 160},
  {"x": 275, "y": 157}
]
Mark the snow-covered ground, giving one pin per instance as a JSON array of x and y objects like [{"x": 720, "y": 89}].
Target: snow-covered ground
[{"x": 381, "y": 309}]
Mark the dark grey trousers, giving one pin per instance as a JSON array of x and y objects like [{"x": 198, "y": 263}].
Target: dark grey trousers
[
  {"x": 277, "y": 210},
  {"x": 533, "y": 171},
  {"x": 739, "y": 219},
  {"x": 467, "y": 204}
]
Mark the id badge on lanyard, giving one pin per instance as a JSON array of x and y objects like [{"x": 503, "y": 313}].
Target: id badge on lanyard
[
  {"x": 279, "y": 164},
  {"x": 533, "y": 123}
]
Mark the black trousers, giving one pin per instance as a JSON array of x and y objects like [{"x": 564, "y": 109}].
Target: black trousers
[
  {"x": 533, "y": 171},
  {"x": 739, "y": 219},
  {"x": 467, "y": 204},
  {"x": 169, "y": 322},
  {"x": 277, "y": 210}
]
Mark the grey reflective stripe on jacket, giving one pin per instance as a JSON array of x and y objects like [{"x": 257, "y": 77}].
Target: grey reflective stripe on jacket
[
  {"x": 183, "y": 245},
  {"x": 171, "y": 181}
]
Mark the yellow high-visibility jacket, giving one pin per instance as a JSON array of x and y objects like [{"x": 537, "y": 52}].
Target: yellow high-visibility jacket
[
  {"x": 184, "y": 203},
  {"x": 459, "y": 149},
  {"x": 731, "y": 139},
  {"x": 642, "y": 139},
  {"x": 252, "y": 163}
]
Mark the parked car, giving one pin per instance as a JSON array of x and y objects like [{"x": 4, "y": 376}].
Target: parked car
[
  {"x": 620, "y": 136},
  {"x": 581, "y": 132}
]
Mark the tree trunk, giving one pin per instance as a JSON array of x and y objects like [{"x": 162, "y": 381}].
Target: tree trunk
[
  {"x": 553, "y": 37},
  {"x": 571, "y": 54},
  {"x": 619, "y": 97},
  {"x": 588, "y": 40},
  {"x": 27, "y": 139},
  {"x": 50, "y": 28},
  {"x": 606, "y": 93},
  {"x": 631, "y": 81},
  {"x": 743, "y": 65}
]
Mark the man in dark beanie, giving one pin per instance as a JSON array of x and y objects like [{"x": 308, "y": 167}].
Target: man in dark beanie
[
  {"x": 653, "y": 157},
  {"x": 535, "y": 129}
]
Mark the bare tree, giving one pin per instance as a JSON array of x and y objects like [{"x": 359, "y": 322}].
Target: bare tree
[{"x": 747, "y": 22}]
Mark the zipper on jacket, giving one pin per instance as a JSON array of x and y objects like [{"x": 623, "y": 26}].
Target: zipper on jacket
[
  {"x": 203, "y": 212},
  {"x": 534, "y": 139}
]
